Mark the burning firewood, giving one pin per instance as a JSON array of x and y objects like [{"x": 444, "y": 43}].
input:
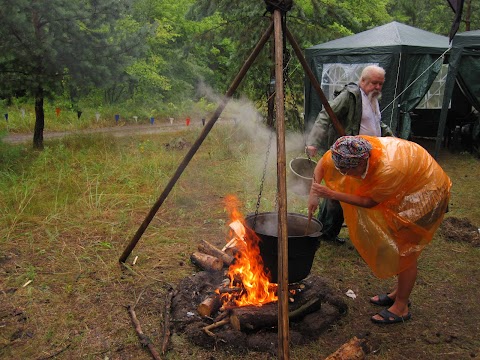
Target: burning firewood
[
  {"x": 210, "y": 305},
  {"x": 206, "y": 262},
  {"x": 207, "y": 248},
  {"x": 231, "y": 244}
]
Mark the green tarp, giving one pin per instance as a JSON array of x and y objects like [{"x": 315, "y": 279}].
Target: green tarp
[
  {"x": 411, "y": 57},
  {"x": 463, "y": 68}
]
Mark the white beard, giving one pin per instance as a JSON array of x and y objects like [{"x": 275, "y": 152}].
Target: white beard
[{"x": 374, "y": 95}]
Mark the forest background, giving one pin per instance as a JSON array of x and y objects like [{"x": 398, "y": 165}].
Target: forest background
[{"x": 99, "y": 60}]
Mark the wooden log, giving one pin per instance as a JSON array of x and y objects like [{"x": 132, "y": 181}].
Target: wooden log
[
  {"x": 210, "y": 305},
  {"x": 166, "y": 321},
  {"x": 215, "y": 325},
  {"x": 355, "y": 349},
  {"x": 206, "y": 262},
  {"x": 144, "y": 340},
  {"x": 207, "y": 248},
  {"x": 256, "y": 317}
]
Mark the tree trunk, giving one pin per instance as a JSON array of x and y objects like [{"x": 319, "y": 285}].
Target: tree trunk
[
  {"x": 468, "y": 12},
  {"x": 39, "y": 120}
]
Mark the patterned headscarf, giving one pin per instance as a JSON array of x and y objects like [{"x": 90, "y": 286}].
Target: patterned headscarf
[{"x": 349, "y": 150}]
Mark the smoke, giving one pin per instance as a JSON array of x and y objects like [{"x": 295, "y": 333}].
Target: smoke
[{"x": 250, "y": 125}]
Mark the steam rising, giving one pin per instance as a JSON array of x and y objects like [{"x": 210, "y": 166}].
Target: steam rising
[{"x": 251, "y": 125}]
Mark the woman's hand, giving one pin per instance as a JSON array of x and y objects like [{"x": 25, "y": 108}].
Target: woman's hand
[
  {"x": 322, "y": 191},
  {"x": 318, "y": 190}
]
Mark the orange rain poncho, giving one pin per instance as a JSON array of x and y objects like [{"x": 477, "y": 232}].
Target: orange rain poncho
[{"x": 412, "y": 192}]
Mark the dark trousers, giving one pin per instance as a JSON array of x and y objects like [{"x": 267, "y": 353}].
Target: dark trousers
[{"x": 331, "y": 216}]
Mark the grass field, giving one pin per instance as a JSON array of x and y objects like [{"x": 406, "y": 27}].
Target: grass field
[{"x": 68, "y": 212}]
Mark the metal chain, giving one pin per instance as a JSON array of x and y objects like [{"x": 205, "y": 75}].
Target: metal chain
[
  {"x": 262, "y": 182},
  {"x": 286, "y": 59}
]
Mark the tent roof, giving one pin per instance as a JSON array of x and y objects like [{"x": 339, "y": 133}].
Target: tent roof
[
  {"x": 390, "y": 35},
  {"x": 467, "y": 39}
]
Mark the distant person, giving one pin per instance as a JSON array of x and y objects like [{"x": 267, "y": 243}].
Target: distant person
[
  {"x": 394, "y": 196},
  {"x": 358, "y": 111}
]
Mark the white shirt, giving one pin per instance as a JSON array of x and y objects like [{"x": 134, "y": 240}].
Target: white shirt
[{"x": 371, "y": 117}]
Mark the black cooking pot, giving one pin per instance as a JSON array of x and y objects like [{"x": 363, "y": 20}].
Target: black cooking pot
[{"x": 302, "y": 243}]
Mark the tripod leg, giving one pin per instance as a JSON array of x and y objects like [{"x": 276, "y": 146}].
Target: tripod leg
[
  {"x": 236, "y": 82},
  {"x": 283, "y": 320},
  {"x": 315, "y": 84}
]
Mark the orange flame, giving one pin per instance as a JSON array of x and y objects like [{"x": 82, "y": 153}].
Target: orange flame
[{"x": 248, "y": 266}]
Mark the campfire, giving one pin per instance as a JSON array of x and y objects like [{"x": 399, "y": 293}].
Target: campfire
[
  {"x": 249, "y": 284},
  {"x": 233, "y": 301}
]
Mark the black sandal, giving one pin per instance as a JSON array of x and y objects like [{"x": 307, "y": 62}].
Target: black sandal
[
  {"x": 383, "y": 300},
  {"x": 390, "y": 318}
]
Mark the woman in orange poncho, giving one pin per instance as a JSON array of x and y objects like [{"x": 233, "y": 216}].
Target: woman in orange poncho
[{"x": 394, "y": 196}]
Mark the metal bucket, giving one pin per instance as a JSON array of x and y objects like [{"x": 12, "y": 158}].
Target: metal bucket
[
  {"x": 302, "y": 243},
  {"x": 301, "y": 175}
]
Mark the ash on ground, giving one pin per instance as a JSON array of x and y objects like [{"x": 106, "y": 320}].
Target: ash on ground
[
  {"x": 192, "y": 290},
  {"x": 460, "y": 230}
]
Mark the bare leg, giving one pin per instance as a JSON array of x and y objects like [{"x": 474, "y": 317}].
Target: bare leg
[{"x": 405, "y": 283}]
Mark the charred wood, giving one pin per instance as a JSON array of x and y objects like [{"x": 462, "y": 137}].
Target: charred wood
[{"x": 256, "y": 317}]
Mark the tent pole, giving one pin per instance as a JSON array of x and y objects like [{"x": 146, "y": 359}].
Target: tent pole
[
  {"x": 282, "y": 244},
  {"x": 447, "y": 95},
  {"x": 236, "y": 82}
]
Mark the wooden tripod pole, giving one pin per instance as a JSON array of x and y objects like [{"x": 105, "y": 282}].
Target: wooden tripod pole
[
  {"x": 236, "y": 82},
  {"x": 282, "y": 244},
  {"x": 315, "y": 84}
]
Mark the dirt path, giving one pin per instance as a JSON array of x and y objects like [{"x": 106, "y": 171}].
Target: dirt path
[{"x": 118, "y": 131}]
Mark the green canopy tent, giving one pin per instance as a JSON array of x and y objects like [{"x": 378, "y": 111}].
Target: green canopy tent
[
  {"x": 463, "y": 74},
  {"x": 411, "y": 57}
]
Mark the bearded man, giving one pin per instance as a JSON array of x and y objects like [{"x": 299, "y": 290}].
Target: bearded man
[{"x": 358, "y": 111}]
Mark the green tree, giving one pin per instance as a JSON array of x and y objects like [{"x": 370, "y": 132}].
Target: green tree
[
  {"x": 47, "y": 43},
  {"x": 435, "y": 16},
  {"x": 239, "y": 26}
]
